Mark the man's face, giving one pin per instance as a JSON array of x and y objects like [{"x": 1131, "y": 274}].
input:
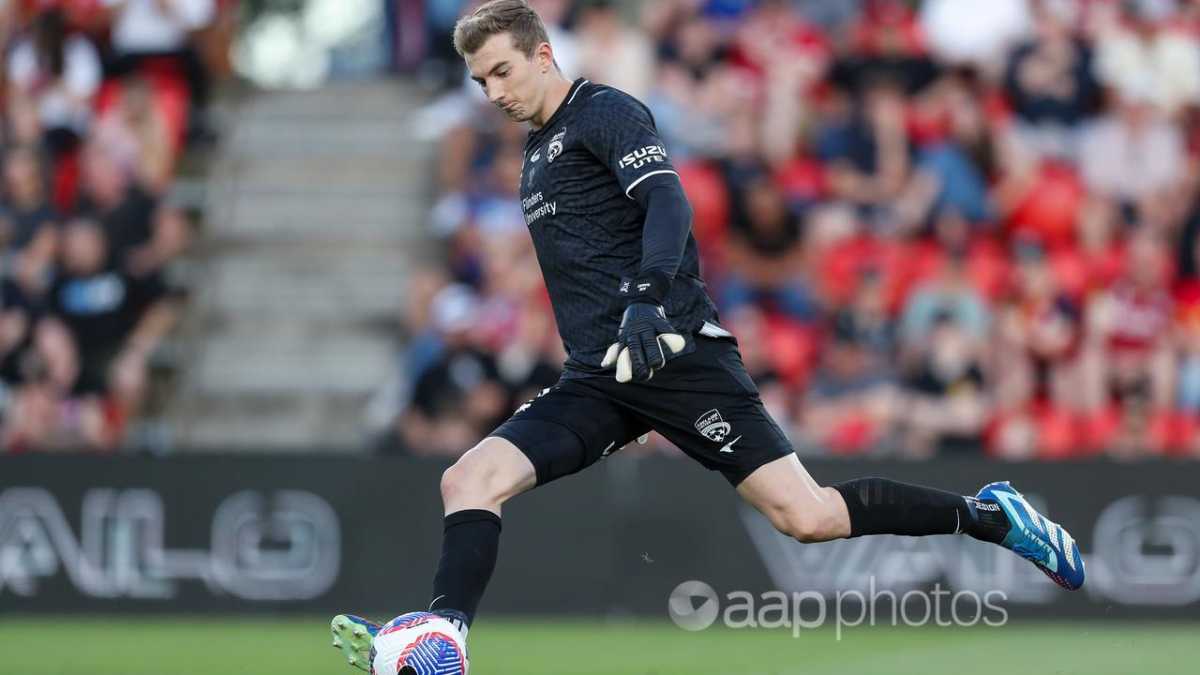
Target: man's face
[{"x": 512, "y": 81}]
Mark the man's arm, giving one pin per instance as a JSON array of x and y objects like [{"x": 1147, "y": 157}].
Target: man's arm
[
  {"x": 622, "y": 135},
  {"x": 646, "y": 340},
  {"x": 668, "y": 221}
]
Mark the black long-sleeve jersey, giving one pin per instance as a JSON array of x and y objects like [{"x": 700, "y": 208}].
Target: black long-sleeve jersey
[{"x": 578, "y": 183}]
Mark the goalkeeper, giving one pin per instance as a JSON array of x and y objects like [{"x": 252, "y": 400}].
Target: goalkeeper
[{"x": 612, "y": 230}]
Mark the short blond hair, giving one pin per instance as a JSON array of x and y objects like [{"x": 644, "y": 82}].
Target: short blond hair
[{"x": 514, "y": 17}]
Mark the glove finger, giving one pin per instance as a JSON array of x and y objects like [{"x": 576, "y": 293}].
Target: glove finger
[
  {"x": 610, "y": 357},
  {"x": 674, "y": 342},
  {"x": 655, "y": 356},
  {"x": 637, "y": 356},
  {"x": 624, "y": 367}
]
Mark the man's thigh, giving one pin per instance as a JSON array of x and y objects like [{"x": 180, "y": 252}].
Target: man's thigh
[{"x": 567, "y": 428}]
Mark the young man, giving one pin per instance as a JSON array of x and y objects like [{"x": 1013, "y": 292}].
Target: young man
[{"x": 612, "y": 229}]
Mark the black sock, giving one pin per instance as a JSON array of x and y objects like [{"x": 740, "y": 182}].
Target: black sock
[
  {"x": 882, "y": 506},
  {"x": 470, "y": 544}
]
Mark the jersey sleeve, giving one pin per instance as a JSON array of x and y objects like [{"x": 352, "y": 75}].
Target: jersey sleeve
[{"x": 622, "y": 135}]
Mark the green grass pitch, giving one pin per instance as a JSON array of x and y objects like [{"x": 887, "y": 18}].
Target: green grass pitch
[{"x": 292, "y": 646}]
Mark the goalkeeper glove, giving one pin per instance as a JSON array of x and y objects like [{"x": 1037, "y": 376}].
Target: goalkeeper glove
[{"x": 646, "y": 341}]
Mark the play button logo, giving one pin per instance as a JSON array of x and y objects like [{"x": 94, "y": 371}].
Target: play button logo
[{"x": 693, "y": 605}]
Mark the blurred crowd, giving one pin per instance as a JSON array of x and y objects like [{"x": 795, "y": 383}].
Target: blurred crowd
[
  {"x": 98, "y": 100},
  {"x": 940, "y": 227}
]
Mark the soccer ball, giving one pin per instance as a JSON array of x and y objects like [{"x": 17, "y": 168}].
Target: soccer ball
[{"x": 419, "y": 643}]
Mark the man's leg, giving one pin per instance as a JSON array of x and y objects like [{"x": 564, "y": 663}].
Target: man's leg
[
  {"x": 796, "y": 505},
  {"x": 706, "y": 404},
  {"x": 473, "y": 491},
  {"x": 788, "y": 496}
]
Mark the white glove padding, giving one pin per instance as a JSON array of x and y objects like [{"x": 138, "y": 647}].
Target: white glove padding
[{"x": 645, "y": 343}]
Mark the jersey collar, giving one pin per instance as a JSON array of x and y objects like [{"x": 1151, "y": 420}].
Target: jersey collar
[{"x": 571, "y": 94}]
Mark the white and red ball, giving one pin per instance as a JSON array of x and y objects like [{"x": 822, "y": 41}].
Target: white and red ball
[{"x": 426, "y": 642}]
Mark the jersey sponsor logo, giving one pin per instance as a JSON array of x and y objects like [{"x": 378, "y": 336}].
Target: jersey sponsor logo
[
  {"x": 532, "y": 214},
  {"x": 643, "y": 156},
  {"x": 556, "y": 146},
  {"x": 713, "y": 427}
]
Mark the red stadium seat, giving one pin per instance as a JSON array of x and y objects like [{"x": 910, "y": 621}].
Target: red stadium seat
[
  {"x": 1048, "y": 211},
  {"x": 853, "y": 436},
  {"x": 792, "y": 347},
  {"x": 710, "y": 209}
]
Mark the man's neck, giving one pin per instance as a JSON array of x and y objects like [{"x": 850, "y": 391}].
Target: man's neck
[{"x": 557, "y": 93}]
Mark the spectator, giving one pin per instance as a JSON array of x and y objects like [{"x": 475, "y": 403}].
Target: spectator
[
  {"x": 17, "y": 314},
  {"x": 1134, "y": 155},
  {"x": 55, "y": 74},
  {"x": 1049, "y": 81},
  {"x": 612, "y": 53},
  {"x": 851, "y": 403},
  {"x": 1142, "y": 56},
  {"x": 29, "y": 223},
  {"x": 146, "y": 30},
  {"x": 765, "y": 254},
  {"x": 869, "y": 153},
  {"x": 949, "y": 298},
  {"x": 865, "y": 319},
  {"x": 1099, "y": 259},
  {"x": 946, "y": 408},
  {"x": 135, "y": 135},
  {"x": 1041, "y": 336},
  {"x": 108, "y": 322},
  {"x": 143, "y": 234},
  {"x": 460, "y": 396},
  {"x": 1131, "y": 350}
]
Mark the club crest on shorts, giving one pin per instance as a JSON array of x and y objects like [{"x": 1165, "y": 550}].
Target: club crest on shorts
[
  {"x": 556, "y": 146},
  {"x": 711, "y": 426}
]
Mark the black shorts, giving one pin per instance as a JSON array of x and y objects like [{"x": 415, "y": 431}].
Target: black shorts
[{"x": 704, "y": 402}]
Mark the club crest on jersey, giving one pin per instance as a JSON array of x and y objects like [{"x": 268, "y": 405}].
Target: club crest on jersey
[
  {"x": 556, "y": 146},
  {"x": 712, "y": 426}
]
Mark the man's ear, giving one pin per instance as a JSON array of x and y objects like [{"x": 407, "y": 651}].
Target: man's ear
[{"x": 543, "y": 57}]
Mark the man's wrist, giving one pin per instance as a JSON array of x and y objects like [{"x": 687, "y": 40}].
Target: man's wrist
[{"x": 653, "y": 287}]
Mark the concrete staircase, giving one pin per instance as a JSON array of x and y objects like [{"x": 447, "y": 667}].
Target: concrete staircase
[{"x": 315, "y": 205}]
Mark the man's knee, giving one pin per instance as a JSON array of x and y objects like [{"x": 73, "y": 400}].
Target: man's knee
[
  {"x": 470, "y": 478},
  {"x": 486, "y": 476},
  {"x": 810, "y": 523},
  {"x": 804, "y": 528}
]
